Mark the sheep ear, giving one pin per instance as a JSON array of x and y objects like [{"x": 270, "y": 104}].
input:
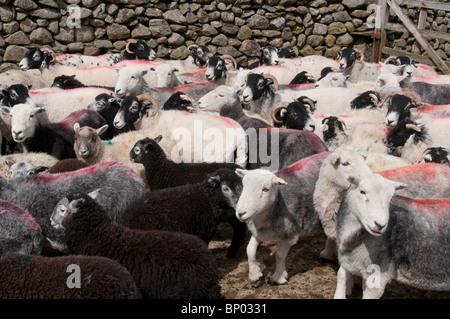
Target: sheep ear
[
  {"x": 94, "y": 193},
  {"x": 240, "y": 172},
  {"x": 283, "y": 112},
  {"x": 158, "y": 138},
  {"x": 39, "y": 169},
  {"x": 354, "y": 179},
  {"x": 5, "y": 110},
  {"x": 214, "y": 180},
  {"x": 102, "y": 129},
  {"x": 144, "y": 72},
  {"x": 117, "y": 70},
  {"x": 9, "y": 163},
  {"x": 399, "y": 185},
  {"x": 279, "y": 181},
  {"x": 76, "y": 127},
  {"x": 334, "y": 158},
  {"x": 39, "y": 109}
]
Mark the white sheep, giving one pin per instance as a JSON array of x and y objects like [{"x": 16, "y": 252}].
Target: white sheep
[
  {"x": 312, "y": 64},
  {"x": 28, "y": 77},
  {"x": 131, "y": 80},
  {"x": 382, "y": 237}
]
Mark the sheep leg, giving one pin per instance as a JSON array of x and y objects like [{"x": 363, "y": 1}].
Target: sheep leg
[
  {"x": 329, "y": 253},
  {"x": 254, "y": 272},
  {"x": 280, "y": 275},
  {"x": 239, "y": 231},
  {"x": 343, "y": 279}
]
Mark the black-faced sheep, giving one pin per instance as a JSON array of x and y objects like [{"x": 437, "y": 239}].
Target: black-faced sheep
[
  {"x": 195, "y": 209},
  {"x": 39, "y": 277},
  {"x": 163, "y": 264},
  {"x": 436, "y": 155}
]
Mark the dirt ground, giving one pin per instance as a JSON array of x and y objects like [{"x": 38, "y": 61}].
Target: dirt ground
[{"x": 309, "y": 276}]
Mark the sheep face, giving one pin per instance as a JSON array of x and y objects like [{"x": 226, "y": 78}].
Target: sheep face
[
  {"x": 369, "y": 196},
  {"x": 36, "y": 59},
  {"x": 104, "y": 101},
  {"x": 66, "y": 82},
  {"x": 402, "y": 132},
  {"x": 436, "y": 155},
  {"x": 332, "y": 127},
  {"x": 368, "y": 99},
  {"x": 215, "y": 68},
  {"x": 399, "y": 109},
  {"x": 295, "y": 116},
  {"x": 333, "y": 79},
  {"x": 259, "y": 193},
  {"x": 23, "y": 120},
  {"x": 165, "y": 75},
  {"x": 302, "y": 78},
  {"x": 20, "y": 169},
  {"x": 145, "y": 146},
  {"x": 178, "y": 101},
  {"x": 140, "y": 50},
  {"x": 269, "y": 56},
  {"x": 87, "y": 141},
  {"x": 256, "y": 86},
  {"x": 229, "y": 183},
  {"x": 131, "y": 110},
  {"x": 15, "y": 94},
  {"x": 60, "y": 212},
  {"x": 218, "y": 98},
  {"x": 200, "y": 54},
  {"x": 347, "y": 58},
  {"x": 130, "y": 80}
]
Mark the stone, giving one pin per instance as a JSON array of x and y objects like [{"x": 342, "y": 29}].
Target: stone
[
  {"x": 140, "y": 32},
  {"x": 250, "y": 48},
  {"x": 14, "y": 53},
  {"x": 10, "y": 27},
  {"x": 229, "y": 50},
  {"x": 75, "y": 47},
  {"x": 175, "y": 40},
  {"x": 100, "y": 11},
  {"x": 229, "y": 29},
  {"x": 314, "y": 40},
  {"x": 227, "y": 17},
  {"x": 153, "y": 13},
  {"x": 180, "y": 53},
  {"x": 159, "y": 28},
  {"x": 344, "y": 40},
  {"x": 244, "y": 33},
  {"x": 84, "y": 34},
  {"x": 341, "y": 16},
  {"x": 301, "y": 39},
  {"x": 18, "y": 38},
  {"x": 208, "y": 31},
  {"x": 65, "y": 35},
  {"x": 287, "y": 35},
  {"x": 139, "y": 2},
  {"x": 49, "y": 3},
  {"x": 330, "y": 40},
  {"x": 46, "y": 13},
  {"x": 27, "y": 25},
  {"x": 162, "y": 51},
  {"x": 271, "y": 33},
  {"x": 25, "y": 4},
  {"x": 360, "y": 14},
  {"x": 191, "y": 18},
  {"x": 6, "y": 14},
  {"x": 307, "y": 50},
  {"x": 174, "y": 16},
  {"x": 90, "y": 3},
  {"x": 277, "y": 23},
  {"x": 117, "y": 32},
  {"x": 337, "y": 28},
  {"x": 220, "y": 40},
  {"x": 91, "y": 50},
  {"x": 320, "y": 29},
  {"x": 41, "y": 36},
  {"x": 354, "y": 4},
  {"x": 103, "y": 44},
  {"x": 258, "y": 22},
  {"x": 125, "y": 15}
]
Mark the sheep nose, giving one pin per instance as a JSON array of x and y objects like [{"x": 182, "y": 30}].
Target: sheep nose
[
  {"x": 241, "y": 214},
  {"x": 379, "y": 227},
  {"x": 312, "y": 127},
  {"x": 17, "y": 133}
]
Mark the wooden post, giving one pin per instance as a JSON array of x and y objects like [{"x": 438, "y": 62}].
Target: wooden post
[{"x": 379, "y": 34}]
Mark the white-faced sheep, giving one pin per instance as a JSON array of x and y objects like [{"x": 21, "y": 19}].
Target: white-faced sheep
[
  {"x": 163, "y": 264},
  {"x": 278, "y": 207},
  {"x": 115, "y": 179},
  {"x": 19, "y": 231},
  {"x": 39, "y": 277},
  {"x": 20, "y": 169},
  {"x": 383, "y": 238},
  {"x": 131, "y": 81},
  {"x": 35, "y": 159}
]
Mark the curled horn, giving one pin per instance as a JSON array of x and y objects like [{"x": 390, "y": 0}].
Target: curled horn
[
  {"x": 52, "y": 53},
  {"x": 343, "y": 123},
  {"x": 275, "y": 108},
  {"x": 324, "y": 122},
  {"x": 423, "y": 155},
  {"x": 192, "y": 46},
  {"x": 146, "y": 97},
  {"x": 392, "y": 57},
  {"x": 127, "y": 47},
  {"x": 310, "y": 102},
  {"x": 274, "y": 80},
  {"x": 229, "y": 57},
  {"x": 361, "y": 53},
  {"x": 386, "y": 98},
  {"x": 413, "y": 127},
  {"x": 375, "y": 97},
  {"x": 338, "y": 56},
  {"x": 185, "y": 97}
]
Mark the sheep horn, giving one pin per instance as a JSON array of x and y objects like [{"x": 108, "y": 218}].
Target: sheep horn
[
  {"x": 192, "y": 46},
  {"x": 229, "y": 57},
  {"x": 423, "y": 155},
  {"x": 127, "y": 47},
  {"x": 274, "y": 80},
  {"x": 324, "y": 122},
  {"x": 392, "y": 57},
  {"x": 275, "y": 108},
  {"x": 375, "y": 97},
  {"x": 446, "y": 150},
  {"x": 52, "y": 53},
  {"x": 385, "y": 99},
  {"x": 343, "y": 123},
  {"x": 413, "y": 127},
  {"x": 310, "y": 102},
  {"x": 146, "y": 97},
  {"x": 185, "y": 97},
  {"x": 246, "y": 77},
  {"x": 361, "y": 53}
]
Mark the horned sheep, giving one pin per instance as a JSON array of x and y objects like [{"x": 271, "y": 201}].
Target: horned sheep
[
  {"x": 163, "y": 264},
  {"x": 382, "y": 237}
]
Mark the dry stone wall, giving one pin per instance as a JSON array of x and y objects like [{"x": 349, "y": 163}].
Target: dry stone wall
[{"x": 239, "y": 28}]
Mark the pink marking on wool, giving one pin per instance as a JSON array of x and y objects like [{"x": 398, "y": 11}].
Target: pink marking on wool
[
  {"x": 434, "y": 108},
  {"x": 21, "y": 212},
  {"x": 74, "y": 117},
  {"x": 80, "y": 90},
  {"x": 135, "y": 63},
  {"x": 302, "y": 165},
  {"x": 428, "y": 169},
  {"x": 299, "y": 87},
  {"x": 412, "y": 93},
  {"x": 435, "y": 207},
  {"x": 264, "y": 67}
]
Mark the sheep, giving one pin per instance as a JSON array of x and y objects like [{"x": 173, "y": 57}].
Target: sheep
[
  {"x": 194, "y": 62},
  {"x": 115, "y": 179},
  {"x": 399, "y": 108},
  {"x": 55, "y": 139},
  {"x": 39, "y": 277},
  {"x": 295, "y": 115},
  {"x": 270, "y": 55},
  {"x": 67, "y": 82},
  {"x": 333, "y": 183},
  {"x": 15, "y": 94},
  {"x": 179, "y": 101},
  {"x": 19, "y": 232},
  {"x": 367, "y": 99},
  {"x": 131, "y": 81},
  {"x": 33, "y": 158},
  {"x": 163, "y": 264},
  {"x": 436, "y": 94},
  {"x": 217, "y": 72},
  {"x": 436, "y": 155},
  {"x": 405, "y": 63},
  {"x": 195, "y": 208},
  {"x": 108, "y": 106},
  {"x": 66, "y": 165},
  {"x": 23, "y": 169},
  {"x": 37, "y": 58},
  {"x": 276, "y": 211},
  {"x": 29, "y": 77},
  {"x": 167, "y": 75},
  {"x": 382, "y": 237},
  {"x": 91, "y": 149},
  {"x": 313, "y": 64},
  {"x": 285, "y": 146},
  {"x": 303, "y": 78},
  {"x": 177, "y": 129},
  {"x": 284, "y": 75}
]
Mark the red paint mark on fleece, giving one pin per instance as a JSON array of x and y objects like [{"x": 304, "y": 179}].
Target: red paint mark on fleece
[
  {"x": 56, "y": 92},
  {"x": 435, "y": 207},
  {"x": 435, "y": 108},
  {"x": 427, "y": 169},
  {"x": 410, "y": 92},
  {"x": 19, "y": 211},
  {"x": 143, "y": 63},
  {"x": 303, "y": 165}
]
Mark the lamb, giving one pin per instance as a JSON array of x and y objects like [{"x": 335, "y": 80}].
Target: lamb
[
  {"x": 276, "y": 211},
  {"x": 33, "y": 158},
  {"x": 285, "y": 146},
  {"x": 115, "y": 179},
  {"x": 382, "y": 237},
  {"x": 177, "y": 129},
  {"x": 55, "y": 139},
  {"x": 333, "y": 183},
  {"x": 19, "y": 231},
  {"x": 195, "y": 208},
  {"x": 91, "y": 149},
  {"x": 48, "y": 278},
  {"x": 163, "y": 264}
]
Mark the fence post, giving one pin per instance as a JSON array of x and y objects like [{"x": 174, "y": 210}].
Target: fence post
[{"x": 379, "y": 34}]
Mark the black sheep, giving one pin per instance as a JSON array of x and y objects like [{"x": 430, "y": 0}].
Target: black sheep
[
  {"x": 163, "y": 264},
  {"x": 38, "y": 277},
  {"x": 195, "y": 209}
]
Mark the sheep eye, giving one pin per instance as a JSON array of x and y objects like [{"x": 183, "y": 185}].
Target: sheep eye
[
  {"x": 137, "y": 150},
  {"x": 221, "y": 95},
  {"x": 265, "y": 189},
  {"x": 226, "y": 189},
  {"x": 362, "y": 192},
  {"x": 345, "y": 164},
  {"x": 31, "y": 116}
]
